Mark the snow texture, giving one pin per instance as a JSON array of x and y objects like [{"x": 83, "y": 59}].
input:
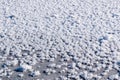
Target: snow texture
[{"x": 59, "y": 39}]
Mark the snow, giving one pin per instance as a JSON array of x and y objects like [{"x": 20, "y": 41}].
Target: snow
[
  {"x": 34, "y": 73},
  {"x": 66, "y": 36},
  {"x": 26, "y": 66},
  {"x": 20, "y": 75}
]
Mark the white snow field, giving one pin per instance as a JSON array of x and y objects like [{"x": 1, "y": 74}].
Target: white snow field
[{"x": 59, "y": 39}]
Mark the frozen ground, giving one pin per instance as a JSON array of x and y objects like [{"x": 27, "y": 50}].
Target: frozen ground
[{"x": 59, "y": 39}]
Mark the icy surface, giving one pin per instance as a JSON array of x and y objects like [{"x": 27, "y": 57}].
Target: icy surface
[{"x": 59, "y": 39}]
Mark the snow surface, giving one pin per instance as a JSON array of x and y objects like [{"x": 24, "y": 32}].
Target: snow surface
[{"x": 60, "y": 39}]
